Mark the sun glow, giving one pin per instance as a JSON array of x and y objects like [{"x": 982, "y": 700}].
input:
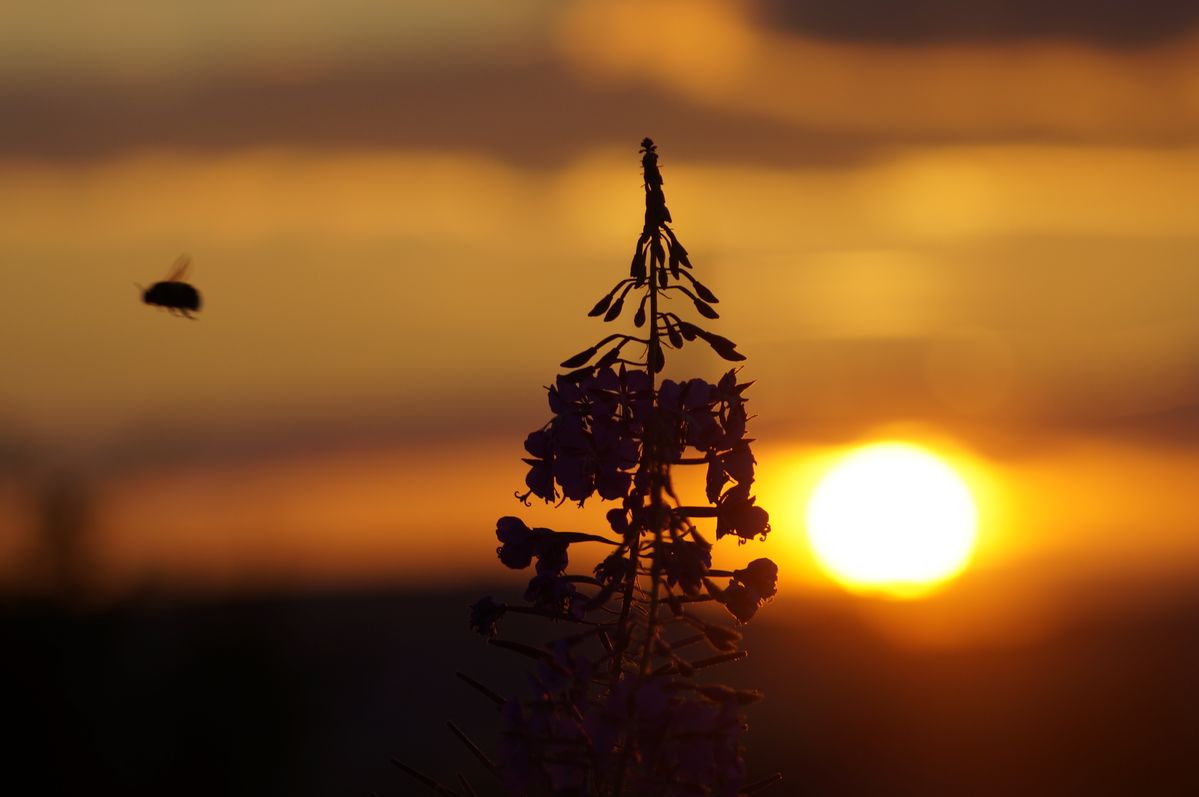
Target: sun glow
[{"x": 892, "y": 518}]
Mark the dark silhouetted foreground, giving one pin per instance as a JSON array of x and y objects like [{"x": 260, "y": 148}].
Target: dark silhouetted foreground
[{"x": 314, "y": 694}]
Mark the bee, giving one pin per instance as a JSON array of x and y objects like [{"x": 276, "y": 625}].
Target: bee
[{"x": 173, "y": 293}]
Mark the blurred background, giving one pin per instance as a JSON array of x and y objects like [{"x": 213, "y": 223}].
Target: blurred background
[{"x": 235, "y": 553}]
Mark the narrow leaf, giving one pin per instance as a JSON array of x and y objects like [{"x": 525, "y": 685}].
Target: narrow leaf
[
  {"x": 713, "y": 660},
  {"x": 637, "y": 269},
  {"x": 657, "y": 360},
  {"x": 474, "y": 748},
  {"x": 615, "y": 309},
  {"x": 705, "y": 309},
  {"x": 762, "y": 784},
  {"x": 727, "y": 350},
  {"x": 486, "y": 692},
  {"x": 703, "y": 292},
  {"x": 677, "y": 247},
  {"x": 466, "y": 787},
  {"x": 723, "y": 639},
  {"x": 579, "y": 375},
  {"x": 610, "y": 357},
  {"x": 425, "y": 779},
  {"x": 579, "y": 359},
  {"x": 657, "y": 253},
  {"x": 571, "y": 537},
  {"x": 599, "y": 599},
  {"x": 522, "y": 649},
  {"x": 717, "y": 340},
  {"x": 601, "y": 305},
  {"x": 722, "y": 346}
]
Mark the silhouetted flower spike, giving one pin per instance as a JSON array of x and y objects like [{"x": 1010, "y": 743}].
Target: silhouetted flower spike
[{"x": 614, "y": 709}]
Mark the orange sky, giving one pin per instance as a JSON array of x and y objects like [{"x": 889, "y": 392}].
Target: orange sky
[{"x": 987, "y": 233}]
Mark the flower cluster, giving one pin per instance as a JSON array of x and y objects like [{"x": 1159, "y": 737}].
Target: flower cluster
[
  {"x": 597, "y": 436},
  {"x": 593, "y": 442},
  {"x": 615, "y": 708}
]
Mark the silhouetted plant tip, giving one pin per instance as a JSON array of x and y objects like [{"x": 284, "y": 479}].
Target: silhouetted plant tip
[{"x": 614, "y": 709}]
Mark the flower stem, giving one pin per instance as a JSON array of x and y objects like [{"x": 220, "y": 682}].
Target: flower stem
[{"x": 655, "y": 463}]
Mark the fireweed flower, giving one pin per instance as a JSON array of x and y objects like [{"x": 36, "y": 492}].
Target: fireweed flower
[
  {"x": 760, "y": 575},
  {"x": 686, "y": 563},
  {"x": 612, "y": 707},
  {"x": 518, "y": 542},
  {"x": 554, "y": 594},
  {"x": 485, "y": 614}
]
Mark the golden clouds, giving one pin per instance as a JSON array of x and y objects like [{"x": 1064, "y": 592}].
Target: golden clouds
[
  {"x": 143, "y": 41},
  {"x": 1073, "y": 256},
  {"x": 713, "y": 53},
  {"x": 261, "y": 195},
  {"x": 700, "y": 46}
]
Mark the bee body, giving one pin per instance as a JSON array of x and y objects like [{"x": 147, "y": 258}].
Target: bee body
[{"x": 173, "y": 293}]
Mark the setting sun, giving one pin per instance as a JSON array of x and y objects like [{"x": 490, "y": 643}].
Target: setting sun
[{"x": 891, "y": 518}]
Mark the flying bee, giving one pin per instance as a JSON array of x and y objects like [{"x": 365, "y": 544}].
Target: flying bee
[{"x": 173, "y": 293}]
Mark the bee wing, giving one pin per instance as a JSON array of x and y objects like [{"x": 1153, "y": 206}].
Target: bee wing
[{"x": 179, "y": 270}]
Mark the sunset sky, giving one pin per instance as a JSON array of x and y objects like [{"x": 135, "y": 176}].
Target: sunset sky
[{"x": 973, "y": 225}]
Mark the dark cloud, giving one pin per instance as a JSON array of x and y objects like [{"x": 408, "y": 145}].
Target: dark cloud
[
  {"x": 1177, "y": 426},
  {"x": 1115, "y": 23},
  {"x": 529, "y": 114}
]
